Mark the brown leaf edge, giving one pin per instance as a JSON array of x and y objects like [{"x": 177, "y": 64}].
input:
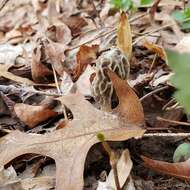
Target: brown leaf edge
[
  {"x": 179, "y": 170},
  {"x": 130, "y": 108}
]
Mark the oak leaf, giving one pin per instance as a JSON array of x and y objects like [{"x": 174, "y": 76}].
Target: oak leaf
[{"x": 69, "y": 146}]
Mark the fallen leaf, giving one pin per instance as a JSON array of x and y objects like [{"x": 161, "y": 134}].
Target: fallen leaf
[
  {"x": 75, "y": 23},
  {"x": 124, "y": 166},
  {"x": 83, "y": 83},
  {"x": 69, "y": 146},
  {"x": 57, "y": 30},
  {"x": 33, "y": 115},
  {"x": 86, "y": 55},
  {"x": 129, "y": 108},
  {"x": 180, "y": 170},
  {"x": 4, "y": 73},
  {"x": 124, "y": 36},
  {"x": 40, "y": 71},
  {"x": 156, "y": 49},
  {"x": 59, "y": 33}
]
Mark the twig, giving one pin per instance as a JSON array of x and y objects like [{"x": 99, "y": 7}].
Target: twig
[
  {"x": 167, "y": 135},
  {"x": 106, "y": 33},
  {"x": 113, "y": 160},
  {"x": 150, "y": 32},
  {"x": 14, "y": 90},
  {"x": 152, "y": 64},
  {"x": 172, "y": 101},
  {"x": 153, "y": 92},
  {"x": 173, "y": 121},
  {"x": 56, "y": 81},
  {"x": 3, "y": 3}
]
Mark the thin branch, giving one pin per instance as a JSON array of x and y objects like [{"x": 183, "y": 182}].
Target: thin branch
[
  {"x": 167, "y": 135},
  {"x": 3, "y": 3},
  {"x": 173, "y": 121},
  {"x": 152, "y": 31},
  {"x": 153, "y": 92}
]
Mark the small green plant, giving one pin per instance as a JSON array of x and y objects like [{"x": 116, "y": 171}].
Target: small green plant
[
  {"x": 183, "y": 17},
  {"x": 179, "y": 63},
  {"x": 146, "y": 2},
  {"x": 182, "y": 153},
  {"x": 123, "y": 5}
]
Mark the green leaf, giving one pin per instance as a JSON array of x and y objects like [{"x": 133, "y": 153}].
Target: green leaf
[
  {"x": 146, "y": 2},
  {"x": 180, "y": 64},
  {"x": 187, "y": 12},
  {"x": 182, "y": 152},
  {"x": 181, "y": 16},
  {"x": 122, "y": 4}
]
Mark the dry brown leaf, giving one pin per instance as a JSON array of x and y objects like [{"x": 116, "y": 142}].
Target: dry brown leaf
[
  {"x": 124, "y": 36},
  {"x": 40, "y": 72},
  {"x": 33, "y": 115},
  {"x": 75, "y": 23},
  {"x": 4, "y": 73},
  {"x": 156, "y": 49},
  {"x": 86, "y": 55},
  {"x": 130, "y": 108},
  {"x": 180, "y": 170},
  {"x": 59, "y": 33},
  {"x": 69, "y": 145}
]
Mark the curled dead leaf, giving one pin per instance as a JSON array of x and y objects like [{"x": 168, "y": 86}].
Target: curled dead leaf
[
  {"x": 86, "y": 55},
  {"x": 180, "y": 170},
  {"x": 156, "y": 49},
  {"x": 129, "y": 108},
  {"x": 124, "y": 36},
  {"x": 40, "y": 72},
  {"x": 33, "y": 115},
  {"x": 59, "y": 33}
]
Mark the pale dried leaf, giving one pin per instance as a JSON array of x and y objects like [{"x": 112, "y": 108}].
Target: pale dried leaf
[
  {"x": 124, "y": 167},
  {"x": 124, "y": 36},
  {"x": 11, "y": 76}
]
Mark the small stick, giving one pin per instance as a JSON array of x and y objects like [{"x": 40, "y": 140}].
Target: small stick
[
  {"x": 56, "y": 81},
  {"x": 152, "y": 31},
  {"x": 106, "y": 33},
  {"x": 172, "y": 101},
  {"x": 3, "y": 3},
  {"x": 113, "y": 160},
  {"x": 153, "y": 92},
  {"x": 173, "y": 121},
  {"x": 167, "y": 135},
  {"x": 152, "y": 64}
]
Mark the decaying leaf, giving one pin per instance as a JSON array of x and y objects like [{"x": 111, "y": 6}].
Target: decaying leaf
[
  {"x": 86, "y": 55},
  {"x": 5, "y": 73},
  {"x": 33, "y": 115},
  {"x": 124, "y": 36},
  {"x": 69, "y": 146},
  {"x": 59, "y": 33},
  {"x": 180, "y": 170},
  {"x": 130, "y": 108},
  {"x": 57, "y": 30},
  {"x": 40, "y": 72},
  {"x": 75, "y": 23},
  {"x": 156, "y": 49}
]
